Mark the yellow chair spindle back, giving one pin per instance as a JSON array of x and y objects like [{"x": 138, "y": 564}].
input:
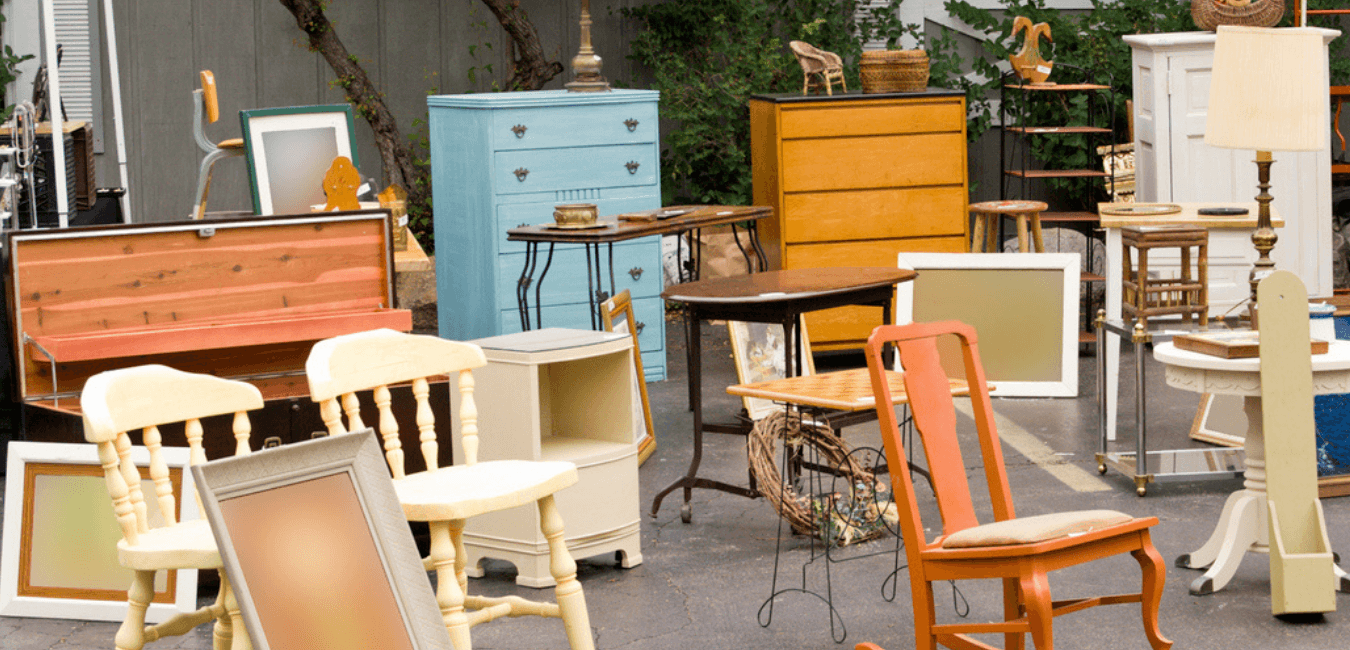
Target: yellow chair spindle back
[
  {"x": 331, "y": 414},
  {"x": 352, "y": 407},
  {"x": 241, "y": 429},
  {"x": 426, "y": 423},
  {"x": 118, "y": 491},
  {"x": 132, "y": 477},
  {"x": 159, "y": 472},
  {"x": 393, "y": 447},
  {"x": 468, "y": 418},
  {"x": 192, "y": 429}
]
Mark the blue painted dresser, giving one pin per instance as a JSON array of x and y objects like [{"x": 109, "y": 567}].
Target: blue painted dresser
[{"x": 501, "y": 160}]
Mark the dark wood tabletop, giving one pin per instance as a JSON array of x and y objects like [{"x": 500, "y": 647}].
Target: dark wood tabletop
[
  {"x": 616, "y": 228},
  {"x": 791, "y": 284}
]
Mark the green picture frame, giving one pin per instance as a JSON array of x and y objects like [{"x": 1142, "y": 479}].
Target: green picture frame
[{"x": 290, "y": 149}]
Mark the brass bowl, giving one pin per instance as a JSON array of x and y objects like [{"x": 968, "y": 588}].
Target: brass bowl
[{"x": 575, "y": 214}]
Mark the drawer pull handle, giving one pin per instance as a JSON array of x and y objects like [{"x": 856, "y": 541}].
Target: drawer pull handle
[
  {"x": 522, "y": 224},
  {"x": 641, "y": 326},
  {"x": 635, "y": 273},
  {"x": 521, "y": 173},
  {"x": 601, "y": 296},
  {"x": 631, "y": 123},
  {"x": 519, "y": 130},
  {"x": 632, "y": 166},
  {"x": 271, "y": 442}
]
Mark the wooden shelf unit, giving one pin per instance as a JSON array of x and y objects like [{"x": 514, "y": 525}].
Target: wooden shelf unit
[{"x": 1017, "y": 163}]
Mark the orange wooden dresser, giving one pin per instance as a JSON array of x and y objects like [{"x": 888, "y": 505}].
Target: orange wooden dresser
[{"x": 855, "y": 179}]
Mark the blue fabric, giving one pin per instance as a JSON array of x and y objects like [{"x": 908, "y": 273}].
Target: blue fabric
[{"x": 1332, "y": 415}]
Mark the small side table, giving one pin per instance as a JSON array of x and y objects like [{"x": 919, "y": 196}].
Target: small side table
[
  {"x": 1244, "y": 524},
  {"x": 988, "y": 214},
  {"x": 769, "y": 297},
  {"x": 559, "y": 394}
]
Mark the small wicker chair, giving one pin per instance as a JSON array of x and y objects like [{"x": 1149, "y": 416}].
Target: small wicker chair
[{"x": 818, "y": 62}]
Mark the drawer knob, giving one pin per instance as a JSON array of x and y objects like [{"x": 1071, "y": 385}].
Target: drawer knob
[
  {"x": 635, "y": 273},
  {"x": 522, "y": 224},
  {"x": 632, "y": 166},
  {"x": 521, "y": 173},
  {"x": 519, "y": 130},
  {"x": 640, "y": 326},
  {"x": 631, "y": 123}
]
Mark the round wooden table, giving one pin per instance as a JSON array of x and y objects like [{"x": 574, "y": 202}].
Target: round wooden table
[
  {"x": 1244, "y": 523},
  {"x": 770, "y": 297}
]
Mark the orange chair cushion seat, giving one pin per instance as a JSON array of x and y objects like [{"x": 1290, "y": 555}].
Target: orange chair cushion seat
[
  {"x": 232, "y": 143},
  {"x": 1029, "y": 530}
]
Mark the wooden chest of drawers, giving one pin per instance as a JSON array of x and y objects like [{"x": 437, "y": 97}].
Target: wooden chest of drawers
[
  {"x": 855, "y": 179},
  {"x": 501, "y": 160}
]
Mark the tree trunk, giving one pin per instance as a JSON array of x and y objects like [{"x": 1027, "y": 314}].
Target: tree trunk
[
  {"x": 530, "y": 69},
  {"x": 395, "y": 152}
]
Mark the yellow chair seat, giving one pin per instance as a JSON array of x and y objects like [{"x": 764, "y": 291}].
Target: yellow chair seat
[
  {"x": 188, "y": 545},
  {"x": 463, "y": 491}
]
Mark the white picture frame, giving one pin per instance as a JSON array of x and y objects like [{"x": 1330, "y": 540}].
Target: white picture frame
[
  {"x": 1023, "y": 306},
  {"x": 290, "y": 150},
  {"x": 97, "y": 542},
  {"x": 757, "y": 352},
  {"x": 289, "y": 522}
]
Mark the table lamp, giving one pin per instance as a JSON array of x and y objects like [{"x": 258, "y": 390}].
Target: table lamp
[{"x": 1268, "y": 92}]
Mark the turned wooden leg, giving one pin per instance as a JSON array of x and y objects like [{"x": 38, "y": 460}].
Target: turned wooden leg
[
  {"x": 131, "y": 636},
  {"x": 239, "y": 639},
  {"x": 449, "y": 594},
  {"x": 1036, "y": 234},
  {"x": 1040, "y": 614},
  {"x": 461, "y": 558},
  {"x": 1151, "y": 565},
  {"x": 977, "y": 234},
  {"x": 571, "y": 602},
  {"x": 1022, "y": 238},
  {"x": 222, "y": 633}
]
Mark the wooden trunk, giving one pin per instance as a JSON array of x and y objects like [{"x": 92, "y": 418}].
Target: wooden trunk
[{"x": 242, "y": 299}]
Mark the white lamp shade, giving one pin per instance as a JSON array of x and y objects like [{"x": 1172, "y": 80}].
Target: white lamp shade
[{"x": 1268, "y": 90}]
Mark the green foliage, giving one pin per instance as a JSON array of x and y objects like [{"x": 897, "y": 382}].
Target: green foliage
[
  {"x": 708, "y": 56},
  {"x": 9, "y": 63}
]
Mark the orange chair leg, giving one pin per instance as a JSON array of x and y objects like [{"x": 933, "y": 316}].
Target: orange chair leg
[
  {"x": 1151, "y": 565},
  {"x": 1040, "y": 611},
  {"x": 925, "y": 615},
  {"x": 1012, "y": 610}
]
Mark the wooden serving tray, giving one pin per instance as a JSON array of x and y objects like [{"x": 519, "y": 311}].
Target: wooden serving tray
[{"x": 1231, "y": 344}]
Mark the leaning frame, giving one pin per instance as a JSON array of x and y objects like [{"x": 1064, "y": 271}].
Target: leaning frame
[
  {"x": 280, "y": 473},
  {"x": 1056, "y": 330}
]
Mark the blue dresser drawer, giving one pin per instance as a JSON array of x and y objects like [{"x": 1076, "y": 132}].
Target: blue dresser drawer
[
  {"x": 636, "y": 268},
  {"x": 572, "y": 126},
  {"x": 513, "y": 215},
  {"x": 548, "y": 170}
]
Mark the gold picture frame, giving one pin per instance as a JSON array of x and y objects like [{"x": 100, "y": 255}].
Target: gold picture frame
[{"x": 617, "y": 314}]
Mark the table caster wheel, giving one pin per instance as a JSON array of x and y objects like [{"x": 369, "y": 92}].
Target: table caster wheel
[
  {"x": 1141, "y": 491},
  {"x": 1101, "y": 468},
  {"x": 686, "y": 513}
]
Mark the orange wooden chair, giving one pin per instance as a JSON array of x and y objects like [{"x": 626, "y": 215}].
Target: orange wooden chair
[{"x": 1019, "y": 551}]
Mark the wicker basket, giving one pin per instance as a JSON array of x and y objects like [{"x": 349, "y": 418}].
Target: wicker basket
[
  {"x": 1209, "y": 14},
  {"x": 894, "y": 71}
]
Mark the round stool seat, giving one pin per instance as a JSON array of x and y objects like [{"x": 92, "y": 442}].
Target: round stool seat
[
  {"x": 1009, "y": 207},
  {"x": 988, "y": 215}
]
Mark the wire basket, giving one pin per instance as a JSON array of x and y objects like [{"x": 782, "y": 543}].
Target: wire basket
[
  {"x": 894, "y": 71},
  {"x": 1209, "y": 14}
]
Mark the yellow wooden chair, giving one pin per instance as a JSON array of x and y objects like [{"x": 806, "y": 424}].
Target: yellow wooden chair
[
  {"x": 340, "y": 367},
  {"x": 206, "y": 110},
  {"x": 143, "y": 398}
]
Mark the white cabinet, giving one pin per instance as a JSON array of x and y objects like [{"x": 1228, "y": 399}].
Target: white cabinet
[
  {"x": 1173, "y": 165},
  {"x": 558, "y": 394}
]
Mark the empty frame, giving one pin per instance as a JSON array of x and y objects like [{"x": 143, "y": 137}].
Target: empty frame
[{"x": 1023, "y": 306}]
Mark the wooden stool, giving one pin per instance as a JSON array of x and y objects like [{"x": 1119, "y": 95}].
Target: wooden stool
[
  {"x": 1188, "y": 294},
  {"x": 988, "y": 214}
]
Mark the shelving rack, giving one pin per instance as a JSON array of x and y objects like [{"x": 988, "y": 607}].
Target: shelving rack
[{"x": 1019, "y": 167}]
